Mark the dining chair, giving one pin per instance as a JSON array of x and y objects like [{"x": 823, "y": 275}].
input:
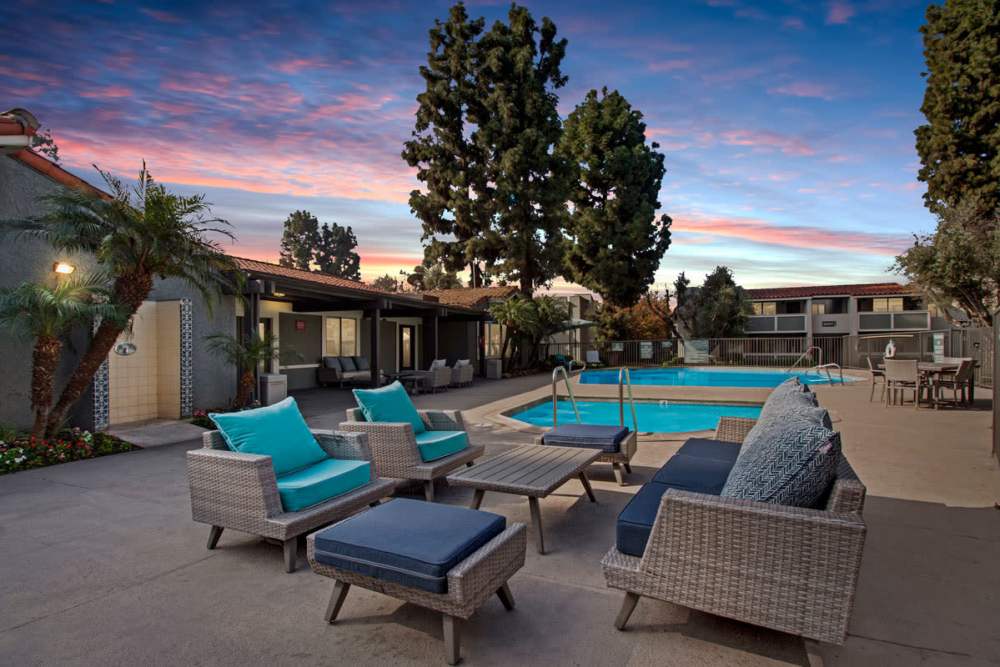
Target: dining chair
[
  {"x": 878, "y": 377},
  {"x": 958, "y": 381},
  {"x": 900, "y": 376}
]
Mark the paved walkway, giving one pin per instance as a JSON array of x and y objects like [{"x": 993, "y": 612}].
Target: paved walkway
[{"x": 101, "y": 564}]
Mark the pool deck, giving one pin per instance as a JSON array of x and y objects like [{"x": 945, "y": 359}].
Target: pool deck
[{"x": 103, "y": 565}]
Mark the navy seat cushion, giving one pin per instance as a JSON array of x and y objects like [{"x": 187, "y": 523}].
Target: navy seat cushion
[
  {"x": 594, "y": 436},
  {"x": 408, "y": 542},
  {"x": 347, "y": 364},
  {"x": 710, "y": 449},
  {"x": 332, "y": 363},
  {"x": 361, "y": 363},
  {"x": 694, "y": 473},
  {"x": 688, "y": 473}
]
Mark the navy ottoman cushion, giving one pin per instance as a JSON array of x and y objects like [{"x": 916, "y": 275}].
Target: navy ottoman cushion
[
  {"x": 594, "y": 436},
  {"x": 408, "y": 542},
  {"x": 694, "y": 473},
  {"x": 636, "y": 520},
  {"x": 710, "y": 449}
]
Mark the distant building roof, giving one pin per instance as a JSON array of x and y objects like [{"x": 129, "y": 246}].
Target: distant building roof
[
  {"x": 472, "y": 297},
  {"x": 862, "y": 289}
]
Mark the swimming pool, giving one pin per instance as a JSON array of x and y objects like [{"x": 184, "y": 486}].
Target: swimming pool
[
  {"x": 655, "y": 417},
  {"x": 707, "y": 377}
]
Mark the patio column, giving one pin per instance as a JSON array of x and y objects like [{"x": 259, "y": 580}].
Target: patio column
[
  {"x": 251, "y": 318},
  {"x": 376, "y": 340}
]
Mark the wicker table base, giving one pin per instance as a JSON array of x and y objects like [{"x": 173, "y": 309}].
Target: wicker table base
[
  {"x": 470, "y": 583},
  {"x": 534, "y": 471}
]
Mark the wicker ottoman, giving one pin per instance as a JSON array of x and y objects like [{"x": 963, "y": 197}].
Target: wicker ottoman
[{"x": 446, "y": 558}]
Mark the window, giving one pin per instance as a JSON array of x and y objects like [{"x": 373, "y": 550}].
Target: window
[
  {"x": 341, "y": 337},
  {"x": 888, "y": 305},
  {"x": 765, "y": 308},
  {"x": 819, "y": 308},
  {"x": 494, "y": 339}
]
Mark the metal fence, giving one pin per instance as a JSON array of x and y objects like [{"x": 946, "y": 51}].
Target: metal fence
[{"x": 782, "y": 352}]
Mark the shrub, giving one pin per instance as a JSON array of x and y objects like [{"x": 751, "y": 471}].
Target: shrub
[{"x": 23, "y": 452}]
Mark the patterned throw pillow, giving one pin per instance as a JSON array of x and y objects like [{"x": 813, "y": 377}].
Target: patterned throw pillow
[
  {"x": 796, "y": 403},
  {"x": 787, "y": 460}
]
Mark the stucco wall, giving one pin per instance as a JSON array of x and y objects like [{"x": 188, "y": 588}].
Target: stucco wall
[{"x": 24, "y": 260}]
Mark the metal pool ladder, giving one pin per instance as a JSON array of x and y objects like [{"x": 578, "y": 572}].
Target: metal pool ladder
[
  {"x": 624, "y": 381},
  {"x": 820, "y": 366}
]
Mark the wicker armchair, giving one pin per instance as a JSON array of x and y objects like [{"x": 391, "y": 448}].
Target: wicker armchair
[
  {"x": 462, "y": 375},
  {"x": 787, "y": 568},
  {"x": 239, "y": 491},
  {"x": 394, "y": 447},
  {"x": 438, "y": 377}
]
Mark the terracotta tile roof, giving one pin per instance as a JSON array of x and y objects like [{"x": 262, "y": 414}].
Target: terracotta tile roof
[
  {"x": 258, "y": 267},
  {"x": 862, "y": 289},
  {"x": 472, "y": 297}
]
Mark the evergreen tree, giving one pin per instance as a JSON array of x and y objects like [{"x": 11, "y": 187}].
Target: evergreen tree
[
  {"x": 387, "y": 283},
  {"x": 299, "y": 240},
  {"x": 617, "y": 240},
  {"x": 335, "y": 252},
  {"x": 431, "y": 275},
  {"x": 959, "y": 146},
  {"x": 717, "y": 309},
  {"x": 483, "y": 145}
]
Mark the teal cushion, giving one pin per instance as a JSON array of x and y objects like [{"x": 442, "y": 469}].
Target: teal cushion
[
  {"x": 389, "y": 404},
  {"x": 321, "y": 481},
  {"x": 434, "y": 445},
  {"x": 278, "y": 431}
]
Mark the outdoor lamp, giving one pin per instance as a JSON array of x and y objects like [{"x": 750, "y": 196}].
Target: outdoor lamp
[{"x": 64, "y": 268}]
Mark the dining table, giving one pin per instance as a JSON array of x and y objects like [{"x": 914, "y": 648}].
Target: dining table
[{"x": 933, "y": 369}]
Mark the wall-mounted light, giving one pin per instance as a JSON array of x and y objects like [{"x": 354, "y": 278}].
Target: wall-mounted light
[
  {"x": 279, "y": 294},
  {"x": 64, "y": 268}
]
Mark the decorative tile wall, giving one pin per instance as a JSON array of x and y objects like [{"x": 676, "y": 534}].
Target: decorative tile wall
[{"x": 187, "y": 348}]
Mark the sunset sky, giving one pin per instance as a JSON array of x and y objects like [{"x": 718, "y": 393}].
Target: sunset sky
[{"x": 787, "y": 125}]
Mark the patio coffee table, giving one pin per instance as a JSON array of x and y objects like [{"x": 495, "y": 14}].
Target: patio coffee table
[{"x": 534, "y": 471}]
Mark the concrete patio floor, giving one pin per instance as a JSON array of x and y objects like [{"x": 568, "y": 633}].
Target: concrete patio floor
[{"x": 101, "y": 564}]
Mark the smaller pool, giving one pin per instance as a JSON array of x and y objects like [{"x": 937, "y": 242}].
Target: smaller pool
[{"x": 654, "y": 417}]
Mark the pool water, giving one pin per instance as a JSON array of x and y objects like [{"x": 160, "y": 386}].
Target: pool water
[
  {"x": 708, "y": 377},
  {"x": 655, "y": 417}
]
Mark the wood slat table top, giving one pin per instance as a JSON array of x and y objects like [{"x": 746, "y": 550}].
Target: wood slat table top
[{"x": 527, "y": 470}]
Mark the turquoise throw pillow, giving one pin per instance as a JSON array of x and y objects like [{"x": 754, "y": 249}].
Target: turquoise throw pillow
[
  {"x": 278, "y": 431},
  {"x": 389, "y": 404}
]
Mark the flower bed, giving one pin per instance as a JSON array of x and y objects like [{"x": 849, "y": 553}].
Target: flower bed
[{"x": 23, "y": 452}]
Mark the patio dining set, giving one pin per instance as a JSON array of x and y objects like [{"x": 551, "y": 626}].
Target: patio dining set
[
  {"x": 264, "y": 472},
  {"x": 948, "y": 381}
]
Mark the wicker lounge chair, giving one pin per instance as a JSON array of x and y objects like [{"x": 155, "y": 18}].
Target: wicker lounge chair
[
  {"x": 438, "y": 376},
  {"x": 394, "y": 446},
  {"x": 462, "y": 373},
  {"x": 239, "y": 491},
  {"x": 788, "y": 568}
]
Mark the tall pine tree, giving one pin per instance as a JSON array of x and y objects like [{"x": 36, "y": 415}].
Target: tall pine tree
[
  {"x": 335, "y": 252},
  {"x": 298, "y": 240},
  {"x": 617, "y": 241}
]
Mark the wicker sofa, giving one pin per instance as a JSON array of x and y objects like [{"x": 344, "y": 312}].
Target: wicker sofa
[
  {"x": 240, "y": 491},
  {"x": 395, "y": 452},
  {"x": 343, "y": 370},
  {"x": 793, "y": 569}
]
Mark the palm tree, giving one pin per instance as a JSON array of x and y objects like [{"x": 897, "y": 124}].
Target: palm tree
[
  {"x": 138, "y": 233},
  {"x": 516, "y": 314},
  {"x": 246, "y": 354},
  {"x": 47, "y": 315}
]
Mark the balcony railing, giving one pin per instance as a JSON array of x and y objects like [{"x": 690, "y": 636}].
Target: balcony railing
[
  {"x": 759, "y": 324},
  {"x": 907, "y": 320}
]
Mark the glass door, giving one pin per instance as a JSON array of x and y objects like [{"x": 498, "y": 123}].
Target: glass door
[{"x": 407, "y": 350}]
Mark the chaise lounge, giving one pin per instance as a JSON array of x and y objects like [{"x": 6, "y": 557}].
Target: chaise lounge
[
  {"x": 269, "y": 475},
  {"x": 409, "y": 444},
  {"x": 762, "y": 524}
]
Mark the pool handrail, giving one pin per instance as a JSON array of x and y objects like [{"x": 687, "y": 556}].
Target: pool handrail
[
  {"x": 808, "y": 352},
  {"x": 623, "y": 372},
  {"x": 555, "y": 394}
]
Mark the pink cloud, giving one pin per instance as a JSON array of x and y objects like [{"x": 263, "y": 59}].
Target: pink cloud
[
  {"x": 107, "y": 92},
  {"x": 839, "y": 12},
  {"x": 793, "y": 23},
  {"x": 803, "y": 89},
  {"x": 767, "y": 140},
  {"x": 296, "y": 65},
  {"x": 161, "y": 16},
  {"x": 671, "y": 65},
  {"x": 795, "y": 236}
]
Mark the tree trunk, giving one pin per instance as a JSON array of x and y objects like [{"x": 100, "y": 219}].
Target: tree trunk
[
  {"x": 245, "y": 390},
  {"x": 130, "y": 291},
  {"x": 44, "y": 361}
]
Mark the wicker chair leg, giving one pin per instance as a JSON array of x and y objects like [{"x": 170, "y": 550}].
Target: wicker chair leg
[
  {"x": 628, "y": 467},
  {"x": 452, "y": 639},
  {"x": 505, "y": 597},
  {"x": 617, "y": 468},
  {"x": 375, "y": 503},
  {"x": 628, "y": 606},
  {"x": 291, "y": 549},
  {"x": 340, "y": 590},
  {"x": 429, "y": 490},
  {"x": 213, "y": 536}
]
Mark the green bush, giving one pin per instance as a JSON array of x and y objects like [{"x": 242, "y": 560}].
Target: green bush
[{"x": 19, "y": 451}]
